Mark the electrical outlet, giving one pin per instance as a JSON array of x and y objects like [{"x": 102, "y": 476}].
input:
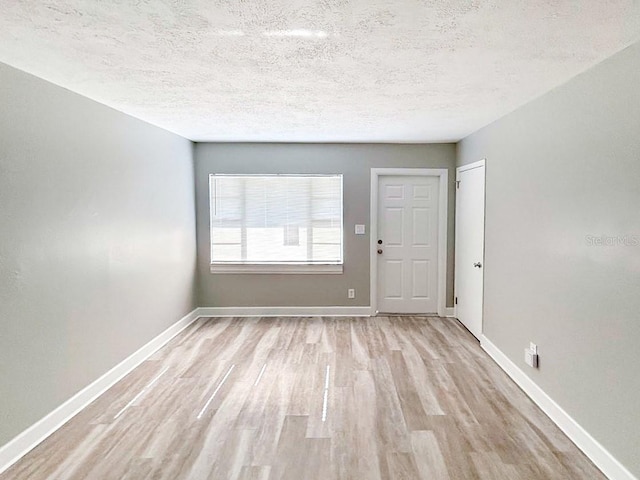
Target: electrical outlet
[
  {"x": 533, "y": 347},
  {"x": 351, "y": 293},
  {"x": 530, "y": 358}
]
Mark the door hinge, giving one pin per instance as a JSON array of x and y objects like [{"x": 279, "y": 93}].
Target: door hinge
[
  {"x": 457, "y": 183},
  {"x": 456, "y": 301}
]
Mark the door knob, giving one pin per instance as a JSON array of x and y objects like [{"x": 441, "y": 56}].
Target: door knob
[
  {"x": 477, "y": 264},
  {"x": 379, "y": 242},
  {"x": 379, "y": 251}
]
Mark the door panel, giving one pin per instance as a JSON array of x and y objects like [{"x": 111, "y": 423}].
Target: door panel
[
  {"x": 420, "y": 279},
  {"x": 394, "y": 192},
  {"x": 407, "y": 226},
  {"x": 421, "y": 192},
  {"x": 394, "y": 219},
  {"x": 470, "y": 247},
  {"x": 393, "y": 279},
  {"x": 421, "y": 227}
]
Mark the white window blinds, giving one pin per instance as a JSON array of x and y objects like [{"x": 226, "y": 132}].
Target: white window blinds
[{"x": 276, "y": 219}]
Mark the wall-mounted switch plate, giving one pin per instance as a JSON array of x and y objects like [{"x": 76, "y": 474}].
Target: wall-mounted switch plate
[{"x": 360, "y": 229}]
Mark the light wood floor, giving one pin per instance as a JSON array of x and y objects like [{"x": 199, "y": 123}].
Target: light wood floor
[{"x": 406, "y": 398}]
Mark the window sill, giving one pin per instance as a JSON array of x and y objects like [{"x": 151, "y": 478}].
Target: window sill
[{"x": 277, "y": 269}]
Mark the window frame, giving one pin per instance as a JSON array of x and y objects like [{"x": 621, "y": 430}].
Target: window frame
[{"x": 283, "y": 267}]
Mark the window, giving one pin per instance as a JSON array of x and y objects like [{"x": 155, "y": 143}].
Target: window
[{"x": 276, "y": 223}]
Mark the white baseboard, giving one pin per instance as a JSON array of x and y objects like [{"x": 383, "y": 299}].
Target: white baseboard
[
  {"x": 284, "y": 311},
  {"x": 606, "y": 462},
  {"x": 449, "y": 312},
  {"x": 32, "y": 436}
]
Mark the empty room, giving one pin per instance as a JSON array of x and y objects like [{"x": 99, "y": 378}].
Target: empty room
[{"x": 319, "y": 239}]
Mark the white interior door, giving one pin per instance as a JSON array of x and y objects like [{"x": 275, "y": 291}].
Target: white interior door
[
  {"x": 469, "y": 283},
  {"x": 407, "y": 244}
]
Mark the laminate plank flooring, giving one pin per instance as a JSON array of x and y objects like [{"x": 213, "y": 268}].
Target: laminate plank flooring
[{"x": 312, "y": 398}]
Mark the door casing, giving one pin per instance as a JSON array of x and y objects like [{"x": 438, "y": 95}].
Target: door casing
[{"x": 443, "y": 192}]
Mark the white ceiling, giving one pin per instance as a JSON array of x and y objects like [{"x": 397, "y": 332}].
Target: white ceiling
[{"x": 314, "y": 70}]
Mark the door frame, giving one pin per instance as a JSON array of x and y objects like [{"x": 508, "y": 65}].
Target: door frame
[
  {"x": 459, "y": 170},
  {"x": 443, "y": 176}
]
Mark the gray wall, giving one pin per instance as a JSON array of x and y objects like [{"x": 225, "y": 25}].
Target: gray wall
[
  {"x": 97, "y": 242},
  {"x": 354, "y": 162},
  {"x": 559, "y": 169}
]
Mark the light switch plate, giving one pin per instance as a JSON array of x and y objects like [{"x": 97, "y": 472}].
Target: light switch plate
[{"x": 360, "y": 229}]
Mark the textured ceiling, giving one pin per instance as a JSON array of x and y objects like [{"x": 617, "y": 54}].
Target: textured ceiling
[{"x": 305, "y": 70}]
